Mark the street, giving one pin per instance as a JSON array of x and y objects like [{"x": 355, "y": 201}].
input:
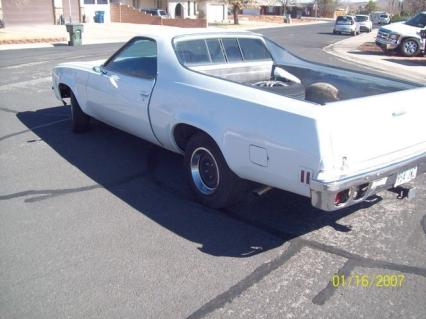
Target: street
[{"x": 102, "y": 225}]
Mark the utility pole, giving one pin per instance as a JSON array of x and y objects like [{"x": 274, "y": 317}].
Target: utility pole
[{"x": 316, "y": 9}]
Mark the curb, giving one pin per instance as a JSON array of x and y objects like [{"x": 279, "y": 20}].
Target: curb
[
  {"x": 32, "y": 40},
  {"x": 340, "y": 50}
]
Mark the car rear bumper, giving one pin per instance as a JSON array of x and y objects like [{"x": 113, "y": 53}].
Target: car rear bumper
[
  {"x": 323, "y": 194},
  {"x": 344, "y": 28}
]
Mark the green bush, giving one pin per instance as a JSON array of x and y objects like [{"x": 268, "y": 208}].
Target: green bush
[{"x": 397, "y": 18}]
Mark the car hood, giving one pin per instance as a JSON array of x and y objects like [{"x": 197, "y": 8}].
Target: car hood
[{"x": 402, "y": 28}]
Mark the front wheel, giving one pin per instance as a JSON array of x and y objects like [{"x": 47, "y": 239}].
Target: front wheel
[
  {"x": 409, "y": 47},
  {"x": 209, "y": 177}
]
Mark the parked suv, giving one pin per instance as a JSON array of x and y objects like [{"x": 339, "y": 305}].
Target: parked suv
[
  {"x": 346, "y": 24},
  {"x": 384, "y": 19},
  {"x": 365, "y": 23},
  {"x": 404, "y": 36}
]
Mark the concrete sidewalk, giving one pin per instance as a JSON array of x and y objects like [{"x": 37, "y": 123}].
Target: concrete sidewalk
[
  {"x": 36, "y": 36},
  {"x": 93, "y": 33},
  {"x": 361, "y": 50}
]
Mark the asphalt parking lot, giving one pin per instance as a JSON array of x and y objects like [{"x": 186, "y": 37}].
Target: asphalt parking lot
[{"x": 101, "y": 225}]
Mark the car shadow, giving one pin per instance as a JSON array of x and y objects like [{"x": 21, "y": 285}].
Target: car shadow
[
  {"x": 336, "y": 34},
  {"x": 151, "y": 180},
  {"x": 409, "y": 62}
]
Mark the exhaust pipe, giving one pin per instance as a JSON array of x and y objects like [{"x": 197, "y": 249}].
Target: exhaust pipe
[{"x": 262, "y": 190}]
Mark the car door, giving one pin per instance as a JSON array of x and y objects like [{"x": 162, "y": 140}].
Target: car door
[{"x": 119, "y": 93}]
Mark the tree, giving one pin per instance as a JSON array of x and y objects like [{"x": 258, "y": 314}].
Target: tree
[
  {"x": 326, "y": 8},
  {"x": 371, "y": 6},
  {"x": 236, "y": 7},
  {"x": 414, "y": 6}
]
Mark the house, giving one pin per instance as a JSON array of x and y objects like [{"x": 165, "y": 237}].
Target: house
[
  {"x": 39, "y": 11},
  {"x": 18, "y": 12},
  {"x": 296, "y": 8},
  {"x": 213, "y": 10}
]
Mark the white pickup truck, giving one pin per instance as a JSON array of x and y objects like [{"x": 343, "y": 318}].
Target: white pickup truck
[
  {"x": 234, "y": 104},
  {"x": 403, "y": 36}
]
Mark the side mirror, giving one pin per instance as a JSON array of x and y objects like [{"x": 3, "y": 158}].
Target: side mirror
[{"x": 99, "y": 69}]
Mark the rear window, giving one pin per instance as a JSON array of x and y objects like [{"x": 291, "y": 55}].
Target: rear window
[
  {"x": 254, "y": 49},
  {"x": 232, "y": 50},
  {"x": 193, "y": 52},
  {"x": 224, "y": 50},
  {"x": 215, "y": 51},
  {"x": 344, "y": 20},
  {"x": 361, "y": 18}
]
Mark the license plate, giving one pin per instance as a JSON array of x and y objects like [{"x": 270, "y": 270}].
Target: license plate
[{"x": 406, "y": 176}]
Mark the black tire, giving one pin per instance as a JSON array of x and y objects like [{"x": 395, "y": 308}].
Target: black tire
[
  {"x": 80, "y": 122},
  {"x": 409, "y": 47},
  {"x": 334, "y": 32},
  {"x": 222, "y": 191},
  {"x": 353, "y": 33}
]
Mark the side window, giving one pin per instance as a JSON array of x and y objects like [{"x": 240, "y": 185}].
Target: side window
[
  {"x": 232, "y": 50},
  {"x": 193, "y": 52},
  {"x": 138, "y": 59},
  {"x": 215, "y": 51},
  {"x": 254, "y": 49}
]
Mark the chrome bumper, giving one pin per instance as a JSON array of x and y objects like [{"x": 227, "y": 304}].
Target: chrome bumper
[
  {"x": 384, "y": 41},
  {"x": 323, "y": 194}
]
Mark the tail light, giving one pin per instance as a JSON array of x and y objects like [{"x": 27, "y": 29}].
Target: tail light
[{"x": 341, "y": 197}]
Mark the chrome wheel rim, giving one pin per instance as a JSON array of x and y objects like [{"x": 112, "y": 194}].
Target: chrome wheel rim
[
  {"x": 204, "y": 171},
  {"x": 410, "y": 47}
]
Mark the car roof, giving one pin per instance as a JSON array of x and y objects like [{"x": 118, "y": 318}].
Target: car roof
[{"x": 168, "y": 33}]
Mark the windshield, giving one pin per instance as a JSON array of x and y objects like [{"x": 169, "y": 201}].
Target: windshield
[
  {"x": 417, "y": 21},
  {"x": 384, "y": 16},
  {"x": 361, "y": 18}
]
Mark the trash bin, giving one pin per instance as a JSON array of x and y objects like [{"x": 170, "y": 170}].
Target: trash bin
[
  {"x": 75, "y": 31},
  {"x": 423, "y": 39},
  {"x": 287, "y": 18},
  {"x": 99, "y": 16}
]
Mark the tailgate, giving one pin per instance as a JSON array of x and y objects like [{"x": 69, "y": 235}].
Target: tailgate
[{"x": 377, "y": 130}]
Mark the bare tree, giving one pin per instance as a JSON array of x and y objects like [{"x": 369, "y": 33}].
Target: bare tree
[
  {"x": 326, "y": 8},
  {"x": 414, "y": 6},
  {"x": 236, "y": 7}
]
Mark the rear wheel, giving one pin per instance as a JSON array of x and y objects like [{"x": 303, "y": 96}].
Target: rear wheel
[
  {"x": 209, "y": 177},
  {"x": 409, "y": 47},
  {"x": 80, "y": 122}
]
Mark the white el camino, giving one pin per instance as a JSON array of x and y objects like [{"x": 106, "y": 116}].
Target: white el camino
[{"x": 241, "y": 108}]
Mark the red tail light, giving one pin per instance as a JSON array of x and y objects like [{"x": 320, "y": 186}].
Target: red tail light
[{"x": 341, "y": 197}]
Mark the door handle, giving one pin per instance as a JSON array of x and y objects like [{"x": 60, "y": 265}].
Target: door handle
[{"x": 144, "y": 94}]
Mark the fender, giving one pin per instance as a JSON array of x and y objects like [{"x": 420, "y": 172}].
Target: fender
[{"x": 198, "y": 122}]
